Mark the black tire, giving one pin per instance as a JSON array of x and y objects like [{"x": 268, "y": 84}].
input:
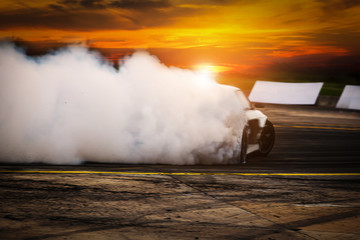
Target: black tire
[
  {"x": 267, "y": 138},
  {"x": 244, "y": 145}
]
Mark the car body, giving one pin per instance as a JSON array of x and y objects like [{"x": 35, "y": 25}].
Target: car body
[{"x": 258, "y": 133}]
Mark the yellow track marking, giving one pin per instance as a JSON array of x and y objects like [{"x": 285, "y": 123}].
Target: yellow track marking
[{"x": 180, "y": 173}]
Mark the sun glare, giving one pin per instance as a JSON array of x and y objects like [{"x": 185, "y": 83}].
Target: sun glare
[{"x": 212, "y": 69}]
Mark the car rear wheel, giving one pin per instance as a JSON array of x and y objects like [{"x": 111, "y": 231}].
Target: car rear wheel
[
  {"x": 244, "y": 145},
  {"x": 267, "y": 138}
]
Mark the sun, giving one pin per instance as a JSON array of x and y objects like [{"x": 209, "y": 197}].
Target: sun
[{"x": 211, "y": 69}]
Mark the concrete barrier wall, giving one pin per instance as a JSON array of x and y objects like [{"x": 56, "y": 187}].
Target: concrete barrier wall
[
  {"x": 350, "y": 98},
  {"x": 327, "y": 101},
  {"x": 285, "y": 93}
]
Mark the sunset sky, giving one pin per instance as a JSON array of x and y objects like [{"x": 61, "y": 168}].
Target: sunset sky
[{"x": 246, "y": 37}]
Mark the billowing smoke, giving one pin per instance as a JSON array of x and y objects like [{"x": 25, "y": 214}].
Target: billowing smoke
[{"x": 70, "y": 106}]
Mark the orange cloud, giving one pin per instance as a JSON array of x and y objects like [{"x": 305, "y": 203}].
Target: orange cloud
[
  {"x": 308, "y": 50},
  {"x": 234, "y": 36}
]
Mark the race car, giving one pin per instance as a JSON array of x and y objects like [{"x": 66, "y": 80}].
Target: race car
[{"x": 258, "y": 133}]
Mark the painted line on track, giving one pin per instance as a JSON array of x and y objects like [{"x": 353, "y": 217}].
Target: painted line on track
[{"x": 179, "y": 173}]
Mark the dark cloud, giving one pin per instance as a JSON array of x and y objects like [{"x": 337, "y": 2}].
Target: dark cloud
[
  {"x": 89, "y": 15},
  {"x": 71, "y": 5},
  {"x": 140, "y": 4},
  {"x": 102, "y": 4},
  {"x": 342, "y": 38},
  {"x": 218, "y": 2},
  {"x": 92, "y": 4},
  {"x": 69, "y": 2},
  {"x": 324, "y": 67},
  {"x": 57, "y": 7},
  {"x": 331, "y": 6},
  {"x": 37, "y": 48},
  {"x": 65, "y": 20}
]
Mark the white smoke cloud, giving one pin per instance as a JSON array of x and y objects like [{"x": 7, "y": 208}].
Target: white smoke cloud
[{"x": 70, "y": 106}]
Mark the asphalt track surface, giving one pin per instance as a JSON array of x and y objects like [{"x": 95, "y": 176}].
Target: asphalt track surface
[{"x": 307, "y": 188}]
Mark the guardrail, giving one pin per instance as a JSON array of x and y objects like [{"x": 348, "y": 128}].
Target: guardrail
[{"x": 303, "y": 94}]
